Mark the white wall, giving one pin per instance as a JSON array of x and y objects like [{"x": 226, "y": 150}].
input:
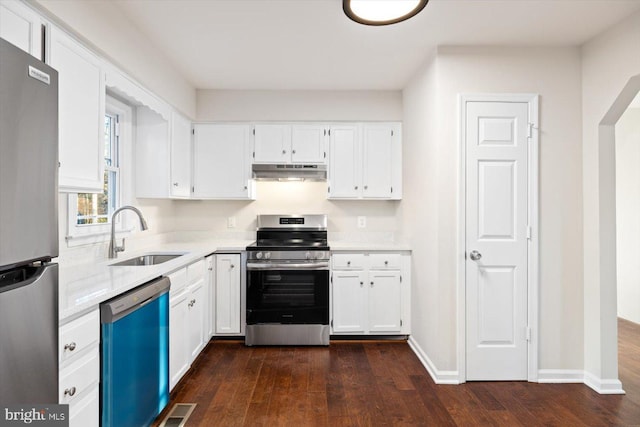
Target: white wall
[
  {"x": 608, "y": 62},
  {"x": 555, "y": 75},
  {"x": 419, "y": 217},
  {"x": 239, "y": 105},
  {"x": 297, "y": 197},
  {"x": 108, "y": 30},
  {"x": 628, "y": 214}
]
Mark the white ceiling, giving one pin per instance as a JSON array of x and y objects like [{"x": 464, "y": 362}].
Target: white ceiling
[{"x": 311, "y": 44}]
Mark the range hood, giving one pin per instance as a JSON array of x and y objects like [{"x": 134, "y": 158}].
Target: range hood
[{"x": 289, "y": 172}]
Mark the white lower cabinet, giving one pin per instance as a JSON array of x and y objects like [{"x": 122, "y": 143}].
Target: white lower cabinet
[
  {"x": 196, "y": 318},
  {"x": 227, "y": 306},
  {"x": 178, "y": 348},
  {"x": 187, "y": 319},
  {"x": 79, "y": 377},
  {"x": 370, "y": 293}
]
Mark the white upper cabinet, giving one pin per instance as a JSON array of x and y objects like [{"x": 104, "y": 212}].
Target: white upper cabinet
[
  {"x": 21, "y": 26},
  {"x": 286, "y": 144},
  {"x": 81, "y": 104},
  {"x": 344, "y": 163},
  {"x": 308, "y": 144},
  {"x": 151, "y": 154},
  {"x": 162, "y": 155},
  {"x": 377, "y": 148},
  {"x": 222, "y": 161},
  {"x": 272, "y": 143},
  {"x": 365, "y": 161},
  {"x": 180, "y": 156}
]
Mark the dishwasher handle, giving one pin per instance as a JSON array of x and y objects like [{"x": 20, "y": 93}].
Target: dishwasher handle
[{"x": 124, "y": 304}]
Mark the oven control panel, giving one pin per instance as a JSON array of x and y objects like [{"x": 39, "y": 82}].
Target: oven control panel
[{"x": 288, "y": 255}]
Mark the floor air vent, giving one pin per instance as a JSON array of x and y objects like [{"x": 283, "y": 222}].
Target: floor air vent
[{"x": 179, "y": 415}]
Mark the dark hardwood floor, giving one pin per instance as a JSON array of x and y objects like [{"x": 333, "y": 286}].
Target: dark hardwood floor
[{"x": 361, "y": 383}]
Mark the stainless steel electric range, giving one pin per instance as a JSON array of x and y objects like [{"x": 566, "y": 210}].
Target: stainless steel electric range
[{"x": 288, "y": 281}]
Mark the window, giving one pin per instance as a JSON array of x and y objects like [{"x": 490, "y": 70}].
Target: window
[
  {"x": 98, "y": 208},
  {"x": 89, "y": 214}
]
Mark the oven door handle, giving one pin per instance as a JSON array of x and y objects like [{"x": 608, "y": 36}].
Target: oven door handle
[{"x": 288, "y": 266}]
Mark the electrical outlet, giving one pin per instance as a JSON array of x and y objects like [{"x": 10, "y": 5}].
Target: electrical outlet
[
  {"x": 362, "y": 222},
  {"x": 231, "y": 222}
]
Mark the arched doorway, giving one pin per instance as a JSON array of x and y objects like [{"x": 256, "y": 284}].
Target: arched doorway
[{"x": 608, "y": 329}]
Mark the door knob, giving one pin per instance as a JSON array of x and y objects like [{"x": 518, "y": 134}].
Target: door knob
[{"x": 475, "y": 255}]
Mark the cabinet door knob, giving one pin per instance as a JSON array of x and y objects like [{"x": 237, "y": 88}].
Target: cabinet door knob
[
  {"x": 366, "y": 186},
  {"x": 284, "y": 151},
  {"x": 348, "y": 262},
  {"x": 361, "y": 283},
  {"x": 356, "y": 187},
  {"x": 175, "y": 184},
  {"x": 233, "y": 266},
  {"x": 70, "y": 391},
  {"x": 386, "y": 263},
  {"x": 372, "y": 284},
  {"x": 293, "y": 152},
  {"x": 71, "y": 346}
]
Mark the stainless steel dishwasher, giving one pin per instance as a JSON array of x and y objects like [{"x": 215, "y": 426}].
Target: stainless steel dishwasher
[{"x": 134, "y": 364}]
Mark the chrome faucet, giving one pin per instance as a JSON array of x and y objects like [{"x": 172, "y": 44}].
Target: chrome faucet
[{"x": 113, "y": 248}]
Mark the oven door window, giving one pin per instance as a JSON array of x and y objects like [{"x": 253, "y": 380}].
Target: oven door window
[{"x": 288, "y": 297}]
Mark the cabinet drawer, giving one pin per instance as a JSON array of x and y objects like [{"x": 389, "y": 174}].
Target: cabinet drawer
[
  {"x": 178, "y": 279},
  {"x": 347, "y": 261},
  {"x": 78, "y": 335},
  {"x": 79, "y": 376},
  {"x": 195, "y": 272},
  {"x": 384, "y": 261}
]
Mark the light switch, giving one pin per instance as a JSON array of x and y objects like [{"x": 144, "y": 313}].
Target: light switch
[
  {"x": 231, "y": 222},
  {"x": 362, "y": 222}
]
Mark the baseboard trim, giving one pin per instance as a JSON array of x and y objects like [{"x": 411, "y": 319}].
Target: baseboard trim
[
  {"x": 439, "y": 377},
  {"x": 560, "y": 376},
  {"x": 603, "y": 386},
  {"x": 569, "y": 376}
]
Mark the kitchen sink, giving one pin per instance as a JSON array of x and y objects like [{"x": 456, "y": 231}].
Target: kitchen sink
[{"x": 148, "y": 259}]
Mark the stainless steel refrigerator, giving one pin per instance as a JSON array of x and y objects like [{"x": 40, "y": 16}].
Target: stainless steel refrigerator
[{"x": 28, "y": 229}]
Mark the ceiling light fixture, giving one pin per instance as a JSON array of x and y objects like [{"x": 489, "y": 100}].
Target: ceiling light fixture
[{"x": 382, "y": 12}]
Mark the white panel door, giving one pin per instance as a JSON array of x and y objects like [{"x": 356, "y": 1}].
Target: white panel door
[
  {"x": 385, "y": 308},
  {"x": 221, "y": 161},
  {"x": 377, "y": 152},
  {"x": 345, "y": 162},
  {"x": 308, "y": 144},
  {"x": 496, "y": 240},
  {"x": 227, "y": 294},
  {"x": 349, "y": 302},
  {"x": 180, "y": 156},
  {"x": 272, "y": 144}
]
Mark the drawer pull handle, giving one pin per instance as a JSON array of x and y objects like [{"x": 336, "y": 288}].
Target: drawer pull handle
[
  {"x": 70, "y": 391},
  {"x": 386, "y": 263},
  {"x": 71, "y": 346}
]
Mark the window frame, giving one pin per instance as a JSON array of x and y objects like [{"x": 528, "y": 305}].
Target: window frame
[{"x": 100, "y": 232}]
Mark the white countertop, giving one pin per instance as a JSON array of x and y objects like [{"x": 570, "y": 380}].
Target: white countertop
[{"x": 83, "y": 287}]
